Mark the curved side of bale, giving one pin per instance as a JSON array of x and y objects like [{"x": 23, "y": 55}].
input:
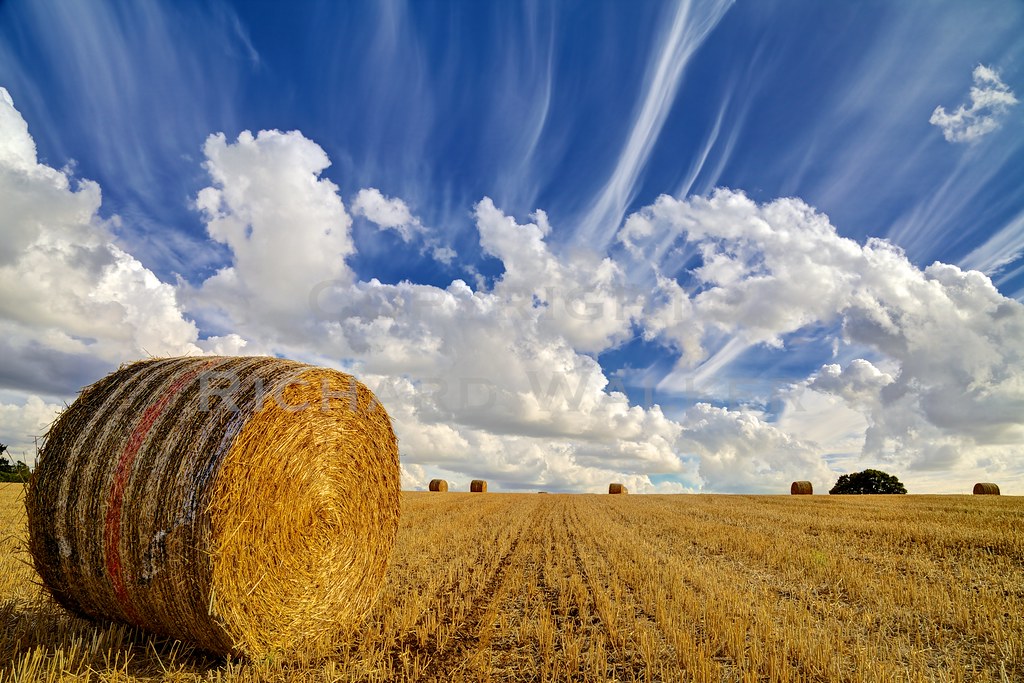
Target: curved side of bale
[
  {"x": 986, "y": 489},
  {"x": 617, "y": 488},
  {"x": 245, "y": 505},
  {"x": 801, "y": 488},
  {"x": 438, "y": 485},
  {"x": 478, "y": 486}
]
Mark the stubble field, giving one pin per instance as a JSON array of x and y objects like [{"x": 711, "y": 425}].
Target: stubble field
[{"x": 528, "y": 587}]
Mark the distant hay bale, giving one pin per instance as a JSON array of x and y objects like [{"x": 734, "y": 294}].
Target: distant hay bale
[
  {"x": 617, "y": 488},
  {"x": 801, "y": 488},
  {"x": 478, "y": 486},
  {"x": 438, "y": 485},
  {"x": 986, "y": 489},
  {"x": 246, "y": 505}
]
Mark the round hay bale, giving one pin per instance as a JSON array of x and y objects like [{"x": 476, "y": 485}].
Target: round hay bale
[
  {"x": 986, "y": 489},
  {"x": 801, "y": 488},
  {"x": 438, "y": 485},
  {"x": 478, "y": 486},
  {"x": 617, "y": 488},
  {"x": 246, "y": 505}
]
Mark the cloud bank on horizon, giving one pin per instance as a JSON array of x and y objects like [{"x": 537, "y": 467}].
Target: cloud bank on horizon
[{"x": 708, "y": 340}]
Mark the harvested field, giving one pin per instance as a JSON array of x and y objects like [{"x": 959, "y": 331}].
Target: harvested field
[{"x": 649, "y": 588}]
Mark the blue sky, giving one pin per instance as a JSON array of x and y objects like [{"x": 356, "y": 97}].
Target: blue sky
[{"x": 769, "y": 355}]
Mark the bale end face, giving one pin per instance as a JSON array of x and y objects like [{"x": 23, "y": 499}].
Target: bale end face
[
  {"x": 439, "y": 485},
  {"x": 478, "y": 486},
  {"x": 986, "y": 489},
  {"x": 617, "y": 488},
  {"x": 801, "y": 488}
]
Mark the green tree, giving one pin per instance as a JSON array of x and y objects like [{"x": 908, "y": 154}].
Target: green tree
[
  {"x": 12, "y": 471},
  {"x": 868, "y": 481}
]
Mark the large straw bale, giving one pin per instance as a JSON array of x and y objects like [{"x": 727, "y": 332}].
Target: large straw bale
[
  {"x": 986, "y": 489},
  {"x": 617, "y": 488},
  {"x": 478, "y": 486},
  {"x": 801, "y": 488},
  {"x": 438, "y": 485},
  {"x": 245, "y": 505}
]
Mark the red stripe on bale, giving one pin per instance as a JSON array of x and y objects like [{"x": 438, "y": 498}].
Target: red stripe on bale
[{"x": 112, "y": 526}]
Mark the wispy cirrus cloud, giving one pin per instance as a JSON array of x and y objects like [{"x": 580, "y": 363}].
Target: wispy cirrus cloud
[
  {"x": 517, "y": 375},
  {"x": 120, "y": 89},
  {"x": 690, "y": 26},
  {"x": 502, "y": 380},
  {"x": 1003, "y": 247}
]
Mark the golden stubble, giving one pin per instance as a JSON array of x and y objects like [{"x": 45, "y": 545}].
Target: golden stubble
[{"x": 512, "y": 587}]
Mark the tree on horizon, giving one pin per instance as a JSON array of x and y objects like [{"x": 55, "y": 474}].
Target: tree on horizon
[{"x": 869, "y": 481}]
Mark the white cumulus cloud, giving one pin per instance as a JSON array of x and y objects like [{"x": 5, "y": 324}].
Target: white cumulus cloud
[
  {"x": 955, "y": 395},
  {"x": 502, "y": 380},
  {"x": 392, "y": 213},
  {"x": 21, "y": 424},
  {"x": 71, "y": 301},
  {"x": 860, "y": 383},
  {"x": 487, "y": 382},
  {"x": 389, "y": 213},
  {"x": 991, "y": 99},
  {"x": 286, "y": 227},
  {"x": 73, "y": 304},
  {"x": 741, "y": 452}
]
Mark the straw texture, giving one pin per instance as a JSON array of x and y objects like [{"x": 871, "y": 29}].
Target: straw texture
[
  {"x": 247, "y": 505},
  {"x": 801, "y": 488},
  {"x": 986, "y": 489},
  {"x": 617, "y": 488},
  {"x": 478, "y": 486},
  {"x": 438, "y": 485}
]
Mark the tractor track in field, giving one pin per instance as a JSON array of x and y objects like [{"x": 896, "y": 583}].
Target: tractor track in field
[
  {"x": 701, "y": 636},
  {"x": 447, "y": 655},
  {"x": 642, "y": 614},
  {"x": 626, "y": 660},
  {"x": 633, "y": 593},
  {"x": 568, "y": 618}
]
